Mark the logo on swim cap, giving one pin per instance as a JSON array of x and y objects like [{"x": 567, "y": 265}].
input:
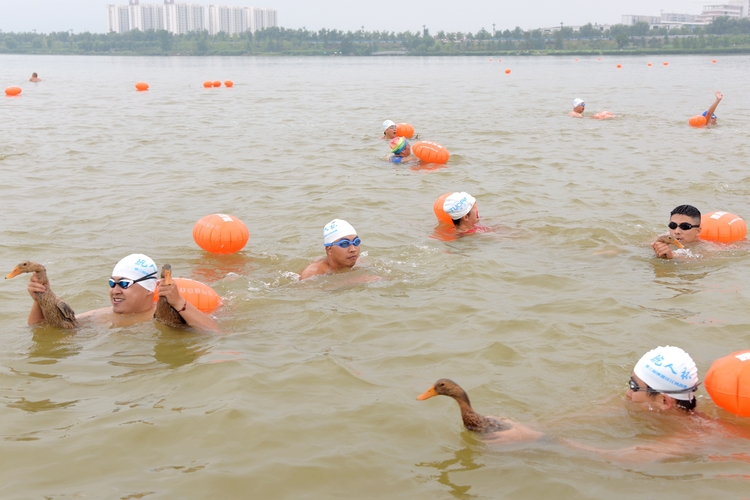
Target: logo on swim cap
[
  {"x": 668, "y": 368},
  {"x": 337, "y": 229},
  {"x": 578, "y": 102},
  {"x": 458, "y": 204}
]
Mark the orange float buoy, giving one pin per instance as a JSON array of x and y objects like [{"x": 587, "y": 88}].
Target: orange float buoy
[
  {"x": 437, "y": 207},
  {"x": 576, "y": 60},
  {"x": 220, "y": 234},
  {"x": 404, "y": 130},
  {"x": 208, "y": 84},
  {"x": 619, "y": 66},
  {"x": 430, "y": 152},
  {"x": 11, "y": 91},
  {"x": 490, "y": 60},
  {"x": 713, "y": 61},
  {"x": 228, "y": 83},
  {"x": 722, "y": 227},
  {"x": 649, "y": 64},
  {"x": 697, "y": 121},
  {"x": 217, "y": 83},
  {"x": 141, "y": 86},
  {"x": 599, "y": 59},
  {"x": 507, "y": 71},
  {"x": 499, "y": 60},
  {"x": 728, "y": 383},
  {"x": 201, "y": 296},
  {"x": 666, "y": 63}
]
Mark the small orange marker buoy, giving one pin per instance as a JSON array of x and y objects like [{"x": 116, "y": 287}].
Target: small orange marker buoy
[
  {"x": 12, "y": 91},
  {"x": 599, "y": 59},
  {"x": 141, "y": 86},
  {"x": 619, "y": 66},
  {"x": 490, "y": 60},
  {"x": 208, "y": 84},
  {"x": 217, "y": 83},
  {"x": 507, "y": 71},
  {"x": 649, "y": 64},
  {"x": 229, "y": 83},
  {"x": 666, "y": 63},
  {"x": 713, "y": 61},
  {"x": 576, "y": 60},
  {"x": 499, "y": 60},
  {"x": 220, "y": 234}
]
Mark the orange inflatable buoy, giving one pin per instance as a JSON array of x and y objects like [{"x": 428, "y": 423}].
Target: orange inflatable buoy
[
  {"x": 442, "y": 217},
  {"x": 11, "y": 91},
  {"x": 713, "y": 61},
  {"x": 666, "y": 63},
  {"x": 220, "y": 234},
  {"x": 404, "y": 130},
  {"x": 141, "y": 86},
  {"x": 728, "y": 383},
  {"x": 217, "y": 83},
  {"x": 431, "y": 152},
  {"x": 507, "y": 71},
  {"x": 697, "y": 121},
  {"x": 722, "y": 227},
  {"x": 619, "y": 66},
  {"x": 208, "y": 84},
  {"x": 201, "y": 296},
  {"x": 228, "y": 83},
  {"x": 649, "y": 64}
]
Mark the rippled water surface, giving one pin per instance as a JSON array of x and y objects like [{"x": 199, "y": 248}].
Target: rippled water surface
[{"x": 310, "y": 393}]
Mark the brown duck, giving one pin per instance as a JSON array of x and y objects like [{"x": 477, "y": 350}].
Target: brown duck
[
  {"x": 165, "y": 312},
  {"x": 56, "y": 311},
  {"x": 670, "y": 240},
  {"x": 489, "y": 428}
]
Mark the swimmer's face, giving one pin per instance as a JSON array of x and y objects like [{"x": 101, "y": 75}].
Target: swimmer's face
[
  {"x": 406, "y": 151},
  {"x": 641, "y": 395},
  {"x": 473, "y": 215},
  {"x": 681, "y": 235},
  {"x": 712, "y": 121},
  {"x": 130, "y": 300},
  {"x": 579, "y": 109},
  {"x": 390, "y": 132},
  {"x": 343, "y": 257}
]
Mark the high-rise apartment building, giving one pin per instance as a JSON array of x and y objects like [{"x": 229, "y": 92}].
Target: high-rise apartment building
[{"x": 180, "y": 18}]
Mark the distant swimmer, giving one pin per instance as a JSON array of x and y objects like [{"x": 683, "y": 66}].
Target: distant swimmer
[
  {"x": 579, "y": 106},
  {"x": 130, "y": 304},
  {"x": 684, "y": 227},
  {"x": 462, "y": 208},
  {"x": 401, "y": 151},
  {"x": 389, "y": 130},
  {"x": 342, "y": 250},
  {"x": 34, "y": 78},
  {"x": 710, "y": 111}
]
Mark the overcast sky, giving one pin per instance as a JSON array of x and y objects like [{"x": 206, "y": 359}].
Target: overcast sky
[{"x": 349, "y": 15}]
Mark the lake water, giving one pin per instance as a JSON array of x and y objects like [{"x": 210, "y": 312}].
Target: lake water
[{"x": 311, "y": 391}]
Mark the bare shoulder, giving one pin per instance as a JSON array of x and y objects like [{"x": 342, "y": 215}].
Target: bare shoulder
[{"x": 316, "y": 268}]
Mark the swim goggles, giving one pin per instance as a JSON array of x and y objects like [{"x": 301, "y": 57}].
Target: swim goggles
[
  {"x": 125, "y": 283},
  {"x": 342, "y": 243},
  {"x": 685, "y": 226},
  {"x": 635, "y": 388}
]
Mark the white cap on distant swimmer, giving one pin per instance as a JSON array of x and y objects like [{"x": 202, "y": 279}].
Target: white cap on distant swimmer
[
  {"x": 387, "y": 124},
  {"x": 578, "y": 102},
  {"x": 668, "y": 368}
]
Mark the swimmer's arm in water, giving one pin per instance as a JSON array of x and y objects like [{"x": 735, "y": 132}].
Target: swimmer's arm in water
[
  {"x": 633, "y": 454},
  {"x": 710, "y": 112},
  {"x": 662, "y": 250},
  {"x": 316, "y": 268}
]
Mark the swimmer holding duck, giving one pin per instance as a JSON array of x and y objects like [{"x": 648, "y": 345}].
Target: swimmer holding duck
[{"x": 684, "y": 229}]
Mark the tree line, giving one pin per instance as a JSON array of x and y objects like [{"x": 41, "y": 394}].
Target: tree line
[{"x": 723, "y": 34}]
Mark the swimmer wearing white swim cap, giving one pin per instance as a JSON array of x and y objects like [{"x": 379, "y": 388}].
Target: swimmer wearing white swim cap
[
  {"x": 389, "y": 130},
  {"x": 578, "y": 107},
  {"x": 341, "y": 245},
  {"x": 666, "y": 378},
  {"x": 462, "y": 208}
]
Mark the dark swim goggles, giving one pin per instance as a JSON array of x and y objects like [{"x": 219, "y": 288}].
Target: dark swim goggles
[
  {"x": 126, "y": 282},
  {"x": 344, "y": 243},
  {"x": 635, "y": 388},
  {"x": 685, "y": 226}
]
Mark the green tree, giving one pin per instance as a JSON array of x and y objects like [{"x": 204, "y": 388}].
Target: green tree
[
  {"x": 622, "y": 40},
  {"x": 166, "y": 40},
  {"x": 10, "y": 42}
]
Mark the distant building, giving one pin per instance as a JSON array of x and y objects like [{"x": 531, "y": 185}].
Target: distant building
[
  {"x": 181, "y": 18},
  {"x": 732, "y": 11}
]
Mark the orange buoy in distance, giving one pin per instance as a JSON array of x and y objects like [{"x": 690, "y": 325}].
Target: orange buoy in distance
[
  {"x": 649, "y": 64},
  {"x": 12, "y": 91},
  {"x": 220, "y": 234},
  {"x": 666, "y": 63},
  {"x": 619, "y": 66},
  {"x": 437, "y": 207},
  {"x": 722, "y": 227},
  {"x": 431, "y": 152},
  {"x": 697, "y": 121},
  {"x": 728, "y": 383},
  {"x": 228, "y": 83},
  {"x": 200, "y": 295},
  {"x": 507, "y": 71},
  {"x": 217, "y": 83},
  {"x": 713, "y": 61},
  {"x": 207, "y": 84},
  {"x": 141, "y": 86},
  {"x": 404, "y": 130}
]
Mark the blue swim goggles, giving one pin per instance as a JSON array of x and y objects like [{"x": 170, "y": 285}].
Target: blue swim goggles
[
  {"x": 344, "y": 243},
  {"x": 125, "y": 283}
]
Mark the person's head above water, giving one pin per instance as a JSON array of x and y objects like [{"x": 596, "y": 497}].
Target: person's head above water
[
  {"x": 342, "y": 244},
  {"x": 462, "y": 208},
  {"x": 135, "y": 269},
  {"x": 713, "y": 117},
  {"x": 400, "y": 146},
  {"x": 685, "y": 223},
  {"x": 666, "y": 376},
  {"x": 578, "y": 105},
  {"x": 389, "y": 129}
]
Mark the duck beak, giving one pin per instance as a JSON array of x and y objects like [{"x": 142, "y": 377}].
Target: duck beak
[
  {"x": 167, "y": 276},
  {"x": 15, "y": 272},
  {"x": 427, "y": 394},
  {"x": 678, "y": 244}
]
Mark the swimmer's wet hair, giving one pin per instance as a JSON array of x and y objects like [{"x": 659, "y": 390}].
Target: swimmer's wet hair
[{"x": 688, "y": 210}]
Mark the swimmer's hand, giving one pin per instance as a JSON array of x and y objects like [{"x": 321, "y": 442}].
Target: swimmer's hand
[
  {"x": 719, "y": 96},
  {"x": 662, "y": 250},
  {"x": 35, "y": 287}
]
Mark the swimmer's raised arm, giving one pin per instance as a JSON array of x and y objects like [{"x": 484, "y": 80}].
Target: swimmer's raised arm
[{"x": 710, "y": 112}]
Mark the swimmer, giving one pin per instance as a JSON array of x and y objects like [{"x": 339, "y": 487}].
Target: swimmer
[
  {"x": 684, "y": 226},
  {"x": 666, "y": 378},
  {"x": 389, "y": 130},
  {"x": 710, "y": 111},
  {"x": 342, "y": 250},
  {"x": 462, "y": 208},
  {"x": 578, "y": 108},
  {"x": 131, "y": 304},
  {"x": 34, "y": 78},
  {"x": 400, "y": 151}
]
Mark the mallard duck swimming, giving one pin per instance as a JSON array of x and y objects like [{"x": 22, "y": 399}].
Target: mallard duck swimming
[
  {"x": 165, "y": 312},
  {"x": 490, "y": 428},
  {"x": 670, "y": 240},
  {"x": 56, "y": 311}
]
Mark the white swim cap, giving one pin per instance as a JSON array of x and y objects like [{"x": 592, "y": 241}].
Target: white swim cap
[
  {"x": 578, "y": 102},
  {"x": 336, "y": 229},
  {"x": 135, "y": 266},
  {"x": 458, "y": 204},
  {"x": 388, "y": 123},
  {"x": 668, "y": 369}
]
